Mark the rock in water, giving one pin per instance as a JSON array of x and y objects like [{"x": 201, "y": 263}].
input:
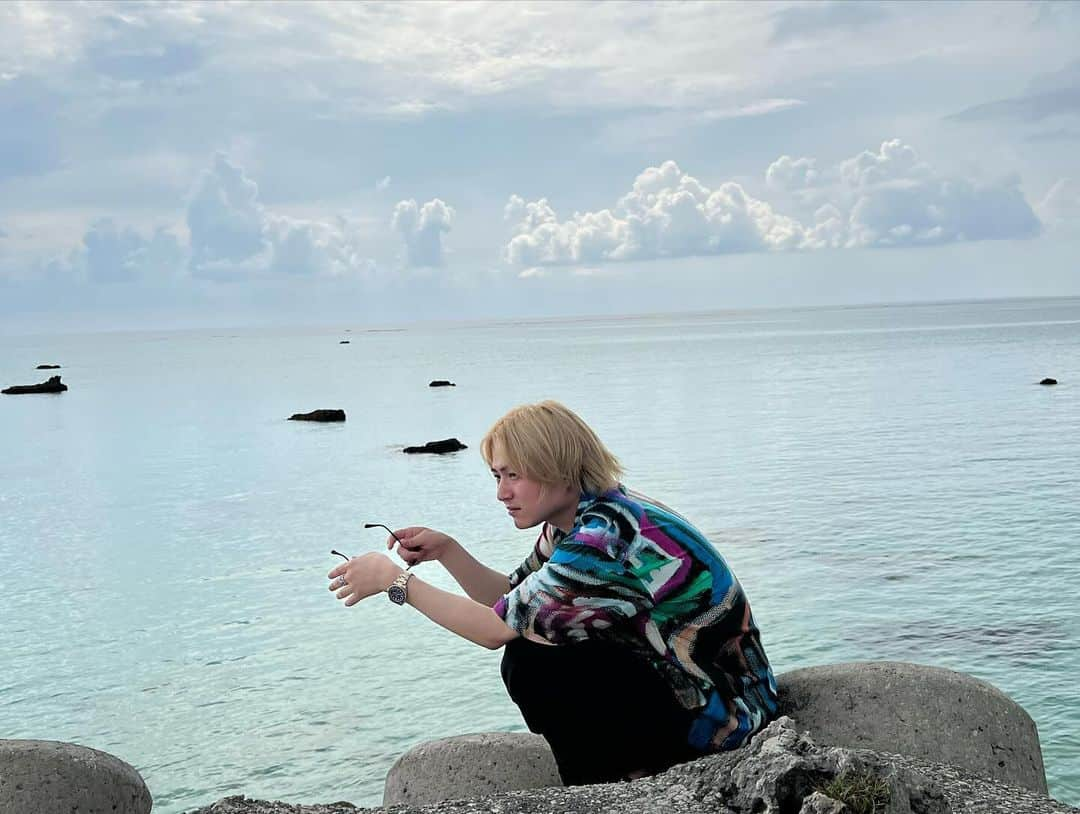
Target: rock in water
[
  {"x": 51, "y": 386},
  {"x": 437, "y": 447},
  {"x": 344, "y": 342},
  {"x": 48, "y": 367},
  {"x": 319, "y": 415},
  {"x": 441, "y": 383},
  {"x": 1048, "y": 381}
]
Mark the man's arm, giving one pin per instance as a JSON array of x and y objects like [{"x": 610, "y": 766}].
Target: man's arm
[
  {"x": 467, "y": 618},
  {"x": 482, "y": 584}
]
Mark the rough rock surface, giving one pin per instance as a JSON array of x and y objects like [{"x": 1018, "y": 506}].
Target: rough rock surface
[
  {"x": 781, "y": 772},
  {"x": 924, "y": 712},
  {"x": 319, "y": 415},
  {"x": 53, "y": 385},
  {"x": 437, "y": 447},
  {"x": 53, "y": 777}
]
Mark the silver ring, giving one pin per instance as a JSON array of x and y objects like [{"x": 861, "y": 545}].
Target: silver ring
[{"x": 341, "y": 582}]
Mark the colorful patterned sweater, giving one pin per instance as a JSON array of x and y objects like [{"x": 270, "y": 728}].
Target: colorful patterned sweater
[{"x": 633, "y": 571}]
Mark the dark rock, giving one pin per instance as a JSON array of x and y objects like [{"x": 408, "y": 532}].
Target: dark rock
[
  {"x": 1048, "y": 381},
  {"x": 344, "y": 342},
  {"x": 442, "y": 383},
  {"x": 437, "y": 447},
  {"x": 48, "y": 367},
  {"x": 319, "y": 415},
  {"x": 780, "y": 771},
  {"x": 51, "y": 386}
]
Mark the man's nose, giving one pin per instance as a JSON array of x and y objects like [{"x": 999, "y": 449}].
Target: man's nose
[{"x": 502, "y": 491}]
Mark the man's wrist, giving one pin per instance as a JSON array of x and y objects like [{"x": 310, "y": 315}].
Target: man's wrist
[{"x": 393, "y": 572}]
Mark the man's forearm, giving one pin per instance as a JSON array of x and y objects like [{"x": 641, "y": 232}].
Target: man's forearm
[
  {"x": 483, "y": 584},
  {"x": 458, "y": 614}
]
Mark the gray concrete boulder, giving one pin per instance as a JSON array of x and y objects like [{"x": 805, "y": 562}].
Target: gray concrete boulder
[
  {"x": 470, "y": 766},
  {"x": 911, "y": 709},
  {"x": 781, "y": 771},
  {"x": 50, "y": 777}
]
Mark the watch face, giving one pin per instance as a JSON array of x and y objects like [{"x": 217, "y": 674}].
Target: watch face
[{"x": 396, "y": 594}]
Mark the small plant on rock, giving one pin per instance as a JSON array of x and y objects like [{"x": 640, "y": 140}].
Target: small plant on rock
[{"x": 861, "y": 792}]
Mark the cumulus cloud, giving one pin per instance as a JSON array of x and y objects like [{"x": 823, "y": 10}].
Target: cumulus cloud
[
  {"x": 792, "y": 174},
  {"x": 667, "y": 213},
  {"x": 224, "y": 216},
  {"x": 117, "y": 254},
  {"x": 899, "y": 200},
  {"x": 883, "y": 198},
  {"x": 422, "y": 228},
  {"x": 232, "y": 233}
]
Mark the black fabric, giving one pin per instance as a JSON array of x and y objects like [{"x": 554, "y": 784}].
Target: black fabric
[{"x": 605, "y": 712}]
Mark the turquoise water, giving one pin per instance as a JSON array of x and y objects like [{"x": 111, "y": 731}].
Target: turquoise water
[{"x": 887, "y": 482}]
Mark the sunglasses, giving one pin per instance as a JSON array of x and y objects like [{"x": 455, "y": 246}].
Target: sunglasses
[{"x": 374, "y": 526}]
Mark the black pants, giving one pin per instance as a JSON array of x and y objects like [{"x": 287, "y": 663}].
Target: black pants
[{"x": 603, "y": 710}]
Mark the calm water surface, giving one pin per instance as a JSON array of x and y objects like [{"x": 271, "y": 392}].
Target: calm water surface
[{"x": 887, "y": 482}]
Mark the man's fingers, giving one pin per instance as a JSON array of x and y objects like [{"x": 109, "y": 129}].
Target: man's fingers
[{"x": 338, "y": 571}]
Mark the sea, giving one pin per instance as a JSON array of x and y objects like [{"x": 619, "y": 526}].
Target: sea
[{"x": 888, "y": 483}]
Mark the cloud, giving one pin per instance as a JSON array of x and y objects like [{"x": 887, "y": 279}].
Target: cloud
[
  {"x": 29, "y": 138},
  {"x": 422, "y": 228},
  {"x": 383, "y": 183},
  {"x": 224, "y": 216},
  {"x": 1048, "y": 95},
  {"x": 899, "y": 200},
  {"x": 1028, "y": 108},
  {"x": 115, "y": 254},
  {"x": 667, "y": 213},
  {"x": 233, "y": 234},
  {"x": 1060, "y": 209},
  {"x": 792, "y": 174},
  {"x": 883, "y": 198},
  {"x": 940, "y": 210},
  {"x": 797, "y": 22},
  {"x": 761, "y": 107}
]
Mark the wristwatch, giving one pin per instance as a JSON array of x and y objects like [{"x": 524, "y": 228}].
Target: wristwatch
[{"x": 398, "y": 590}]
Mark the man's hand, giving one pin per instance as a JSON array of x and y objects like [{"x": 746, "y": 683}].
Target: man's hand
[
  {"x": 362, "y": 577},
  {"x": 420, "y": 544}
]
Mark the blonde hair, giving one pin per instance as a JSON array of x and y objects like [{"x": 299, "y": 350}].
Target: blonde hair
[{"x": 549, "y": 443}]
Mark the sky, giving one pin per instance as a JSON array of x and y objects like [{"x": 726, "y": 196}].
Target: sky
[{"x": 185, "y": 165}]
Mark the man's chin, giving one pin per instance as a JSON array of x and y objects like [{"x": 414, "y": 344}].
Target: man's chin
[{"x": 524, "y": 523}]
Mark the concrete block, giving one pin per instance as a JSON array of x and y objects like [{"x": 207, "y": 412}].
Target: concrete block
[
  {"x": 51, "y": 777},
  {"x": 470, "y": 766},
  {"x": 923, "y": 712}
]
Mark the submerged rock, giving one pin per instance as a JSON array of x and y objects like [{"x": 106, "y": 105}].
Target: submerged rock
[
  {"x": 48, "y": 367},
  {"x": 437, "y": 447},
  {"x": 1048, "y": 381},
  {"x": 53, "y": 385},
  {"x": 344, "y": 342},
  {"x": 319, "y": 415},
  {"x": 441, "y": 383}
]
